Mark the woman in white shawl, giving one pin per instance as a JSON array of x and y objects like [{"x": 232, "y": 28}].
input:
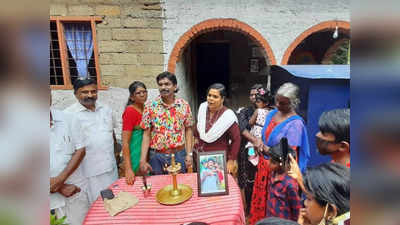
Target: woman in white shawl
[{"x": 217, "y": 127}]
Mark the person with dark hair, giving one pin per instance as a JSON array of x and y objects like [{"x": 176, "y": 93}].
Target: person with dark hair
[
  {"x": 247, "y": 170},
  {"x": 132, "y": 133},
  {"x": 167, "y": 124},
  {"x": 283, "y": 199},
  {"x": 275, "y": 221},
  {"x": 170, "y": 76},
  {"x": 280, "y": 122},
  {"x": 81, "y": 82},
  {"x": 257, "y": 122},
  {"x": 217, "y": 127},
  {"x": 328, "y": 195},
  {"x": 97, "y": 122},
  {"x": 333, "y": 137}
]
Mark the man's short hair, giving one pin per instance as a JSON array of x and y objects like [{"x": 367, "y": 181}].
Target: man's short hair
[
  {"x": 81, "y": 82},
  {"x": 168, "y": 75},
  {"x": 336, "y": 122},
  {"x": 329, "y": 183},
  {"x": 275, "y": 221}
]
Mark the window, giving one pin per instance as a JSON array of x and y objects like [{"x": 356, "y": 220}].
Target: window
[
  {"x": 56, "y": 74},
  {"x": 73, "y": 51}
]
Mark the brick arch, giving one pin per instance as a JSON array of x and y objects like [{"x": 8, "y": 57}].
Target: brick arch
[
  {"x": 342, "y": 25},
  {"x": 213, "y": 25}
]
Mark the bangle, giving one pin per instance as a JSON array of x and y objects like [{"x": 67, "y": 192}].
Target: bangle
[{"x": 190, "y": 154}]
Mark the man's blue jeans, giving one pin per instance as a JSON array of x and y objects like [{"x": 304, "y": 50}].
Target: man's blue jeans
[{"x": 159, "y": 160}]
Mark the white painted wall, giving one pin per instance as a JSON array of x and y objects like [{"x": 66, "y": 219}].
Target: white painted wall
[{"x": 278, "y": 21}]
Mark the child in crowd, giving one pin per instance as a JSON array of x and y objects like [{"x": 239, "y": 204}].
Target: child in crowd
[
  {"x": 283, "y": 198},
  {"x": 257, "y": 121}
]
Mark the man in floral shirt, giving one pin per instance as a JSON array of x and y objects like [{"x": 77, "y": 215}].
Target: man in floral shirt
[{"x": 167, "y": 123}]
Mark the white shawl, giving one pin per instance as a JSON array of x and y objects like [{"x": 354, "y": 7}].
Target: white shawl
[{"x": 223, "y": 123}]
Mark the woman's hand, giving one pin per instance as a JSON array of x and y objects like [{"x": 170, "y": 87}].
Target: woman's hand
[
  {"x": 145, "y": 167},
  {"x": 258, "y": 144},
  {"x": 294, "y": 171},
  {"x": 262, "y": 148},
  {"x": 265, "y": 149},
  {"x": 129, "y": 176},
  {"x": 232, "y": 167}
]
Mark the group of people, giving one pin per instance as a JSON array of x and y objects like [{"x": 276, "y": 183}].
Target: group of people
[{"x": 266, "y": 147}]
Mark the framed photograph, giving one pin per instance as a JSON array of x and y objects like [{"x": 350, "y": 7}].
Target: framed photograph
[
  {"x": 212, "y": 176},
  {"x": 254, "y": 65}
]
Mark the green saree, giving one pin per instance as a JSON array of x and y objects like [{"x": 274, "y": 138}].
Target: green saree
[{"x": 135, "y": 147}]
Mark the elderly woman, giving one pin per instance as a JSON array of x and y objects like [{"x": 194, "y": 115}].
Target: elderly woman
[
  {"x": 280, "y": 122},
  {"x": 217, "y": 126},
  {"x": 328, "y": 195}
]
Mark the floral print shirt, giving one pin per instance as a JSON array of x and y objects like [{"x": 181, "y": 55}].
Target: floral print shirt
[{"x": 167, "y": 123}]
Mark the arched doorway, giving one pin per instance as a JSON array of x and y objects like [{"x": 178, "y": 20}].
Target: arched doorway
[
  {"x": 312, "y": 46},
  {"x": 221, "y": 50}
]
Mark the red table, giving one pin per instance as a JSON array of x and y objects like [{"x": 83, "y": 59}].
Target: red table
[{"x": 223, "y": 210}]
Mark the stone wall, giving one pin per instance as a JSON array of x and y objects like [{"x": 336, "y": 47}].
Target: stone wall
[
  {"x": 129, "y": 40},
  {"x": 129, "y": 37}
]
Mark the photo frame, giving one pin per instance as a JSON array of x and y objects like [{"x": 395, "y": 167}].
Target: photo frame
[
  {"x": 254, "y": 65},
  {"x": 212, "y": 176}
]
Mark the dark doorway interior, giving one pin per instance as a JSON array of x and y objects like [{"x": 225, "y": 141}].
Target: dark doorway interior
[
  {"x": 313, "y": 48},
  {"x": 212, "y": 67}
]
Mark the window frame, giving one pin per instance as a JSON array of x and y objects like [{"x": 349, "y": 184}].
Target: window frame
[{"x": 59, "y": 20}]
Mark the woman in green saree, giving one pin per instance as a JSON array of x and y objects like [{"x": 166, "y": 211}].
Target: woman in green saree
[{"x": 131, "y": 132}]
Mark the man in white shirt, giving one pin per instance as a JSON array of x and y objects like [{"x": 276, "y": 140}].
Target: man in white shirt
[
  {"x": 99, "y": 164},
  {"x": 68, "y": 195}
]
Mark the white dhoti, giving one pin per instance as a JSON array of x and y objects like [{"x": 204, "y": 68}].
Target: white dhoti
[
  {"x": 101, "y": 182},
  {"x": 75, "y": 208}
]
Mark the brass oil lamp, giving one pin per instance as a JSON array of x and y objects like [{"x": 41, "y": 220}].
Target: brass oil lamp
[{"x": 176, "y": 193}]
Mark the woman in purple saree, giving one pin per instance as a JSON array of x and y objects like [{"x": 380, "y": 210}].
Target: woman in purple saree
[{"x": 281, "y": 122}]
